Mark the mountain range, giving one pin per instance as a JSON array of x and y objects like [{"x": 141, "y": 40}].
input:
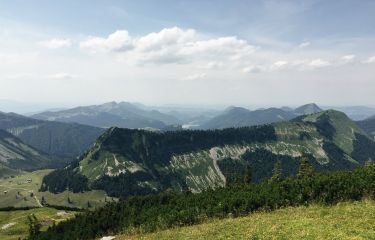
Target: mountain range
[
  {"x": 241, "y": 117},
  {"x": 127, "y": 162},
  {"x": 112, "y": 114}
]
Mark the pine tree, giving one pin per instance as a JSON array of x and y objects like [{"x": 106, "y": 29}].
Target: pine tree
[
  {"x": 277, "y": 172},
  {"x": 34, "y": 227},
  {"x": 306, "y": 170},
  {"x": 43, "y": 202},
  {"x": 248, "y": 174},
  {"x": 369, "y": 163}
]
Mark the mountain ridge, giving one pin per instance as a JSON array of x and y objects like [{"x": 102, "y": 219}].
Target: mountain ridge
[
  {"x": 122, "y": 114},
  {"x": 134, "y": 162},
  {"x": 241, "y": 117}
]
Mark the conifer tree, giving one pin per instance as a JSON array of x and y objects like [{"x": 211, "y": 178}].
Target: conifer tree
[
  {"x": 34, "y": 227},
  {"x": 248, "y": 174},
  {"x": 369, "y": 163},
  {"x": 306, "y": 170},
  {"x": 43, "y": 202},
  {"x": 277, "y": 172}
]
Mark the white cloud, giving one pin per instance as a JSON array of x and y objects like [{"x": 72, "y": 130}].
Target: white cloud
[
  {"x": 212, "y": 65},
  {"x": 117, "y": 41},
  {"x": 370, "y": 60},
  {"x": 348, "y": 58},
  {"x": 171, "y": 45},
  {"x": 279, "y": 65},
  {"x": 252, "y": 69},
  {"x": 318, "y": 63},
  {"x": 56, "y": 43},
  {"x": 61, "y": 76},
  {"x": 193, "y": 77},
  {"x": 166, "y": 37},
  {"x": 304, "y": 44}
]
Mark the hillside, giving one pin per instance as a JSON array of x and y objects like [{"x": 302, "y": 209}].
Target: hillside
[
  {"x": 64, "y": 140},
  {"x": 130, "y": 162},
  {"x": 368, "y": 125},
  {"x": 349, "y": 220},
  {"x": 16, "y": 155},
  {"x": 123, "y": 114}
]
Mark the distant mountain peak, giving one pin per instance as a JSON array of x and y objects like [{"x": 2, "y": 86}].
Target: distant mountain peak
[
  {"x": 309, "y": 108},
  {"x": 236, "y": 109}
]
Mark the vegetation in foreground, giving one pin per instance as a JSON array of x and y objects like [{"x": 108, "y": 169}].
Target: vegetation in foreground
[
  {"x": 23, "y": 191},
  {"x": 14, "y": 224},
  {"x": 169, "y": 210},
  {"x": 348, "y": 220}
]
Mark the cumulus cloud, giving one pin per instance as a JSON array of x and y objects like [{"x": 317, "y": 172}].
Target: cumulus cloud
[
  {"x": 117, "y": 41},
  {"x": 212, "y": 65},
  {"x": 318, "y": 63},
  {"x": 61, "y": 76},
  {"x": 279, "y": 65},
  {"x": 348, "y": 58},
  {"x": 370, "y": 60},
  {"x": 166, "y": 37},
  {"x": 56, "y": 43},
  {"x": 171, "y": 45},
  {"x": 186, "y": 46},
  {"x": 304, "y": 44},
  {"x": 193, "y": 77},
  {"x": 252, "y": 69}
]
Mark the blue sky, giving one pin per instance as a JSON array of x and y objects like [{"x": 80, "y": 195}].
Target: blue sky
[{"x": 262, "y": 53}]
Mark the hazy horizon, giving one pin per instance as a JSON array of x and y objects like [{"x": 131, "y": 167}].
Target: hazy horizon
[{"x": 32, "y": 108}]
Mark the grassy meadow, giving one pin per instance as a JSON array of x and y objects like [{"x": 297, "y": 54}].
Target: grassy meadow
[
  {"x": 14, "y": 224},
  {"x": 349, "y": 220},
  {"x": 22, "y": 191}
]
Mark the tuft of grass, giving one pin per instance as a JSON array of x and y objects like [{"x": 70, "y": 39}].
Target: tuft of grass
[{"x": 349, "y": 220}]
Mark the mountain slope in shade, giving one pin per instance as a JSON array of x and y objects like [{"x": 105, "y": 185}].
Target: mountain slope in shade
[
  {"x": 16, "y": 155},
  {"x": 368, "y": 125},
  {"x": 64, "y": 140},
  {"x": 134, "y": 162},
  {"x": 307, "y": 109},
  {"x": 111, "y": 114}
]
